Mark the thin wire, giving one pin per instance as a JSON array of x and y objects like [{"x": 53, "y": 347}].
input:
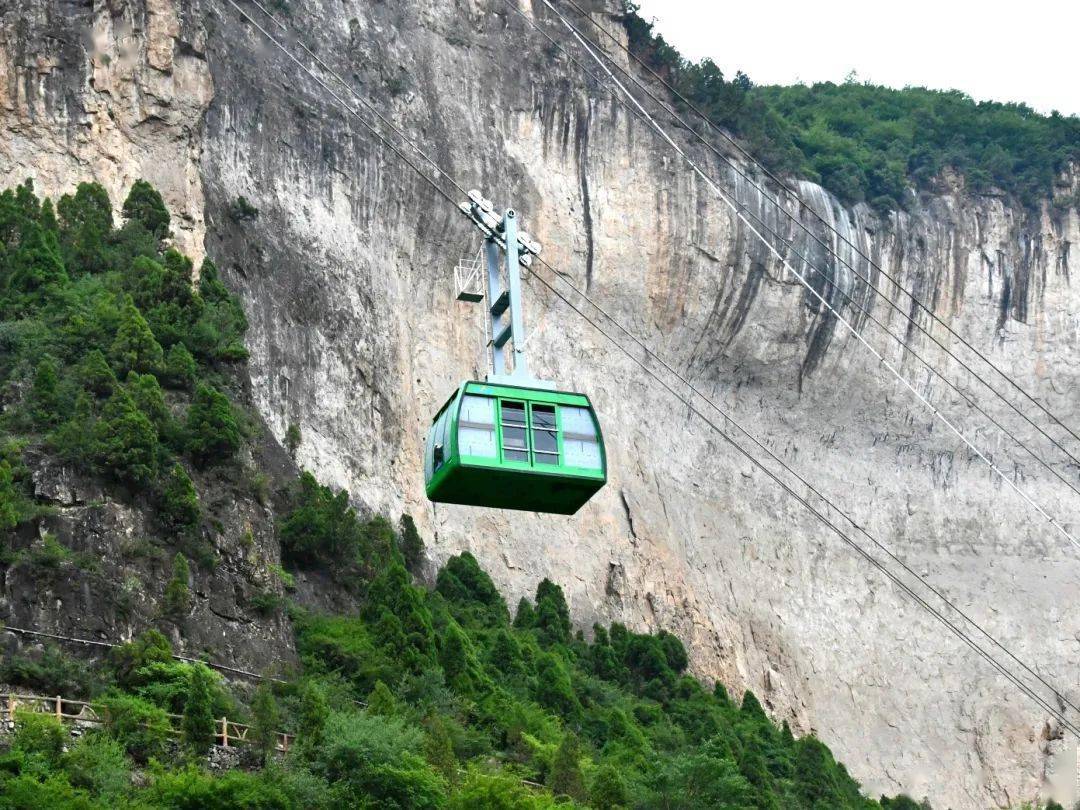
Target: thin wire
[
  {"x": 1024, "y": 687},
  {"x": 858, "y": 305},
  {"x": 112, "y": 645},
  {"x": 836, "y": 529},
  {"x": 798, "y": 198},
  {"x": 737, "y": 211}
]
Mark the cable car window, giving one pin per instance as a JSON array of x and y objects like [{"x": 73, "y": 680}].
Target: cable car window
[
  {"x": 579, "y": 438},
  {"x": 515, "y": 445},
  {"x": 545, "y": 440},
  {"x": 476, "y": 427},
  {"x": 438, "y": 454}
]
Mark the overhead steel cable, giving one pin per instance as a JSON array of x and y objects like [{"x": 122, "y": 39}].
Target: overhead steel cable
[
  {"x": 739, "y": 211},
  {"x": 855, "y": 248},
  {"x": 865, "y": 308},
  {"x": 1026, "y": 688}
]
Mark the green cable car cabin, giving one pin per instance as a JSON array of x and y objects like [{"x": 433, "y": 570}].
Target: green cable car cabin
[{"x": 514, "y": 447}]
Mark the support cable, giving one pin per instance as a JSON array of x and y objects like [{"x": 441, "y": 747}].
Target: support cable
[
  {"x": 865, "y": 308},
  {"x": 737, "y": 210},
  {"x": 985, "y": 654},
  {"x": 803, "y": 204}
]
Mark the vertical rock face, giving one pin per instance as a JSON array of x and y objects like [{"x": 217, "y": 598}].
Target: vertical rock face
[
  {"x": 346, "y": 271},
  {"x": 112, "y": 90}
]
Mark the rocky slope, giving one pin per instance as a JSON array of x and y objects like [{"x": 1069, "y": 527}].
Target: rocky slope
[{"x": 346, "y": 272}]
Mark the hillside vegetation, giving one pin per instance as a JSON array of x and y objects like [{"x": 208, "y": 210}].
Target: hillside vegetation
[
  {"x": 869, "y": 143},
  {"x": 424, "y": 697}
]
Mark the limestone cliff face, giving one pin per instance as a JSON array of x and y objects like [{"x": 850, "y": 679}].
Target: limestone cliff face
[{"x": 356, "y": 338}]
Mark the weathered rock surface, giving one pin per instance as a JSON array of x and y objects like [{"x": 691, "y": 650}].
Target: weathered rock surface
[{"x": 355, "y": 337}]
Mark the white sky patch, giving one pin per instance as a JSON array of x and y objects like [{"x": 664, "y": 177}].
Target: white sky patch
[{"x": 992, "y": 50}]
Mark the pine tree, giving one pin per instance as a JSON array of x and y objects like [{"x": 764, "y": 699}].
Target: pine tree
[
  {"x": 180, "y": 367},
  {"x": 292, "y": 439},
  {"x": 45, "y": 401},
  {"x": 197, "y": 724},
  {"x": 381, "y": 701},
  {"x": 608, "y": 789},
  {"x": 566, "y": 778},
  {"x": 312, "y": 714},
  {"x": 145, "y": 206},
  {"x": 9, "y": 498},
  {"x": 179, "y": 504},
  {"x": 212, "y": 432},
  {"x": 439, "y": 749},
  {"x": 96, "y": 375},
  {"x": 125, "y": 443},
  {"x": 265, "y": 720},
  {"x": 552, "y": 614},
  {"x": 148, "y": 398},
  {"x": 135, "y": 348},
  {"x": 412, "y": 545},
  {"x": 177, "y": 599}
]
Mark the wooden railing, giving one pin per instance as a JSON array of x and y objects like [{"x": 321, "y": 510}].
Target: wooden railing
[{"x": 227, "y": 732}]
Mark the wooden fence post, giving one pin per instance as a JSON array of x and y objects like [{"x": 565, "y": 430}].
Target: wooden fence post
[
  {"x": 224, "y": 732},
  {"x": 59, "y": 714}
]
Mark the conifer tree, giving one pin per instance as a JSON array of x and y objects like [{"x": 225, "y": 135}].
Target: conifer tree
[
  {"x": 179, "y": 506},
  {"x": 566, "y": 778},
  {"x": 381, "y": 701},
  {"x": 312, "y": 713},
  {"x": 145, "y": 206},
  {"x": 265, "y": 720},
  {"x": 135, "y": 348},
  {"x": 9, "y": 498},
  {"x": 212, "y": 432},
  {"x": 45, "y": 401},
  {"x": 197, "y": 724},
  {"x": 180, "y": 367},
  {"x": 177, "y": 591},
  {"x": 125, "y": 443},
  {"x": 96, "y": 375}
]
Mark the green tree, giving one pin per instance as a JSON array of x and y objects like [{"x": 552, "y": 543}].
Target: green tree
[
  {"x": 312, "y": 713},
  {"x": 148, "y": 398},
  {"x": 45, "y": 397},
  {"x": 198, "y": 724},
  {"x": 180, "y": 367},
  {"x": 411, "y": 544},
  {"x": 552, "y": 614},
  {"x": 381, "y": 701},
  {"x": 265, "y": 718},
  {"x": 213, "y": 434},
  {"x": 292, "y": 439},
  {"x": 145, "y": 206},
  {"x": 135, "y": 348},
  {"x": 439, "y": 749},
  {"x": 10, "y": 498},
  {"x": 566, "y": 778},
  {"x": 177, "y": 591},
  {"x": 96, "y": 375},
  {"x": 608, "y": 791},
  {"x": 179, "y": 505},
  {"x": 124, "y": 441}
]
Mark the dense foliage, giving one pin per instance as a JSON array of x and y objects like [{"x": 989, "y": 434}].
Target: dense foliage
[
  {"x": 103, "y": 339},
  {"x": 420, "y": 698},
  {"x": 869, "y": 143}
]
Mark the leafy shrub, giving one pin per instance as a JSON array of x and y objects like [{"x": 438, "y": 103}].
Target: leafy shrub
[
  {"x": 38, "y": 735},
  {"x": 138, "y": 725},
  {"x": 99, "y": 764}
]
